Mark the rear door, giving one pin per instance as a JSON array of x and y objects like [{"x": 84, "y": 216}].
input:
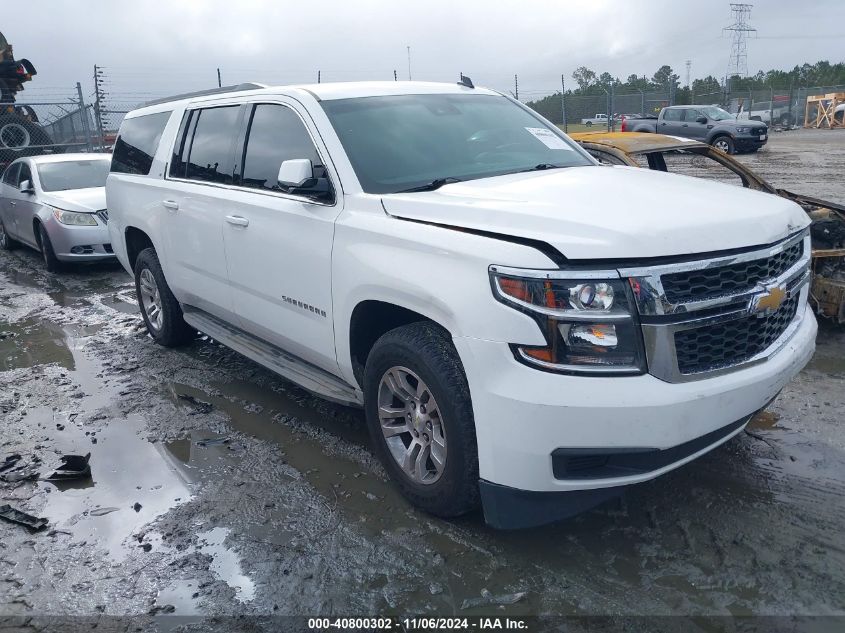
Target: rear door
[
  {"x": 670, "y": 121},
  {"x": 200, "y": 196},
  {"x": 7, "y": 187},
  {"x": 278, "y": 243}
]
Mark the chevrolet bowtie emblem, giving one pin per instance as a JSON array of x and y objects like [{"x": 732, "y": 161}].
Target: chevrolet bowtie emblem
[{"x": 768, "y": 301}]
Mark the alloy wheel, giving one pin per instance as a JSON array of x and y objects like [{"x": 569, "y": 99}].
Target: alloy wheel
[
  {"x": 721, "y": 145},
  {"x": 151, "y": 299},
  {"x": 412, "y": 425}
]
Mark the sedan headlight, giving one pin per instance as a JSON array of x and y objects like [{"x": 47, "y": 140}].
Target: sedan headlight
[
  {"x": 73, "y": 218},
  {"x": 589, "y": 320}
]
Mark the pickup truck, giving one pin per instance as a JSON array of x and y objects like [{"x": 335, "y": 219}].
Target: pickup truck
[
  {"x": 598, "y": 119},
  {"x": 525, "y": 329},
  {"x": 709, "y": 124},
  {"x": 770, "y": 112}
]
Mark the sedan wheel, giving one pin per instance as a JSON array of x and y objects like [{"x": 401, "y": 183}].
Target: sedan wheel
[{"x": 412, "y": 425}]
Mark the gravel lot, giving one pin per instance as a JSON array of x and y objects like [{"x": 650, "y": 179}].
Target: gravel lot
[{"x": 255, "y": 498}]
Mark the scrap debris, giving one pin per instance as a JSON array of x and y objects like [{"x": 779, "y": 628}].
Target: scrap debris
[
  {"x": 72, "y": 467},
  {"x": 13, "y": 515}
]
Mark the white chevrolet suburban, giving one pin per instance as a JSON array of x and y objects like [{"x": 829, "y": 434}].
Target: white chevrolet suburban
[{"x": 524, "y": 328}]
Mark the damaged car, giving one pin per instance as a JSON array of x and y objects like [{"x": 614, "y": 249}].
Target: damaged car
[{"x": 673, "y": 154}]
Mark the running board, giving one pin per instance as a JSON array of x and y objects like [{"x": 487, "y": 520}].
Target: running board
[{"x": 304, "y": 374}]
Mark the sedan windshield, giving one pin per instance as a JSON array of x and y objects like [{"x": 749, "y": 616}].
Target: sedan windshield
[
  {"x": 75, "y": 174},
  {"x": 418, "y": 142},
  {"x": 717, "y": 114}
]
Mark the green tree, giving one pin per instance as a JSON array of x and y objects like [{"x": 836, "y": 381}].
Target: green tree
[{"x": 584, "y": 77}]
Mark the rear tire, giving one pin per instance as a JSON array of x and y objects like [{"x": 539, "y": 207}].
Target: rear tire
[
  {"x": 437, "y": 445},
  {"x": 724, "y": 143},
  {"x": 51, "y": 262},
  {"x": 589, "y": 124},
  {"x": 21, "y": 137},
  {"x": 160, "y": 310},
  {"x": 7, "y": 243}
]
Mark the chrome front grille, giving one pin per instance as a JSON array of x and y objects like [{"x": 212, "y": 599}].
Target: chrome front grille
[
  {"x": 737, "y": 277},
  {"x": 707, "y": 317}
]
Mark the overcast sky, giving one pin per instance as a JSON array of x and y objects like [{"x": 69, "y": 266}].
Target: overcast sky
[{"x": 153, "y": 47}]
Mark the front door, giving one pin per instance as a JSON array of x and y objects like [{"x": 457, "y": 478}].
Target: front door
[
  {"x": 695, "y": 129},
  {"x": 278, "y": 243},
  {"x": 196, "y": 199}
]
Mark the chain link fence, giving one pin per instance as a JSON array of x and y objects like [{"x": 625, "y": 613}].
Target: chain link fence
[{"x": 57, "y": 126}]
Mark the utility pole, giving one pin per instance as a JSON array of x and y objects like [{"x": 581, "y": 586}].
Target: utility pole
[
  {"x": 395, "y": 78},
  {"x": 219, "y": 80},
  {"x": 516, "y": 87},
  {"x": 563, "y": 101},
  {"x": 83, "y": 113},
  {"x": 738, "y": 62},
  {"x": 318, "y": 76},
  {"x": 409, "y": 63},
  {"x": 689, "y": 65},
  {"x": 99, "y": 98}
]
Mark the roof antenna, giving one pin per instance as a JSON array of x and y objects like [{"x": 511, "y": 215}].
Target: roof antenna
[{"x": 465, "y": 81}]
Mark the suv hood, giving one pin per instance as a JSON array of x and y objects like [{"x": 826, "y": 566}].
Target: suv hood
[
  {"x": 608, "y": 212},
  {"x": 82, "y": 200}
]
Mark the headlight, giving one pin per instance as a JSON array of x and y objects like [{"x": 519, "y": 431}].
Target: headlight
[
  {"x": 743, "y": 130},
  {"x": 73, "y": 218},
  {"x": 589, "y": 323}
]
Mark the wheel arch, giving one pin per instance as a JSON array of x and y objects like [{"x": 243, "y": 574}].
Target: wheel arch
[
  {"x": 136, "y": 241},
  {"x": 372, "y": 318}
]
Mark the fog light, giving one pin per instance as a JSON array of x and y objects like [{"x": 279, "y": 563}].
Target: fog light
[{"x": 77, "y": 250}]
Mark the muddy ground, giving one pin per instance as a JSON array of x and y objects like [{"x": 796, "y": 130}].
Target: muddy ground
[{"x": 255, "y": 498}]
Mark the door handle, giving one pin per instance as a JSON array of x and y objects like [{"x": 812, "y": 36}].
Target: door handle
[
  {"x": 236, "y": 220},
  {"x": 685, "y": 125},
  {"x": 170, "y": 204},
  {"x": 13, "y": 203}
]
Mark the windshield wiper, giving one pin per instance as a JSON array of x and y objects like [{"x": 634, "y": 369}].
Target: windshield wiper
[
  {"x": 543, "y": 167},
  {"x": 431, "y": 186}
]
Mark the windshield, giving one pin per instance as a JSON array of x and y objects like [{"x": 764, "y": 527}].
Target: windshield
[
  {"x": 77, "y": 174},
  {"x": 396, "y": 143},
  {"x": 717, "y": 114}
]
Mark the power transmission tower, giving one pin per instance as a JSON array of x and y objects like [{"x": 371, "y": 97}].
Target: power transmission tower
[
  {"x": 689, "y": 65},
  {"x": 738, "y": 63}
]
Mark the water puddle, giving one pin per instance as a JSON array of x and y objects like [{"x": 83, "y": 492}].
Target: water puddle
[
  {"x": 764, "y": 420},
  {"x": 226, "y": 564},
  {"x": 33, "y": 342}
]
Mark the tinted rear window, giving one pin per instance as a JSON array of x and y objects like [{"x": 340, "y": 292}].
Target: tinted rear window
[
  {"x": 137, "y": 142},
  {"x": 211, "y": 156}
]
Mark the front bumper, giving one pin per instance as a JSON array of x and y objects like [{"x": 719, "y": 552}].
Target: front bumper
[
  {"x": 523, "y": 415},
  {"x": 79, "y": 243},
  {"x": 745, "y": 143}
]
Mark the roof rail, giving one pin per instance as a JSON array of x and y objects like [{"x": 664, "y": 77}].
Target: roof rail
[{"x": 210, "y": 91}]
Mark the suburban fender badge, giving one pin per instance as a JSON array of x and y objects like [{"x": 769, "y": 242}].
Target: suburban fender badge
[{"x": 768, "y": 301}]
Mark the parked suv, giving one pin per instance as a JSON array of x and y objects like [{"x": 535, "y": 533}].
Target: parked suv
[{"x": 523, "y": 327}]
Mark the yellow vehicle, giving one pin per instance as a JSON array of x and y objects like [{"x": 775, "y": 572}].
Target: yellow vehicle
[{"x": 674, "y": 154}]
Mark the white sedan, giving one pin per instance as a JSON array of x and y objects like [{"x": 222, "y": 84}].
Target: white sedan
[{"x": 56, "y": 204}]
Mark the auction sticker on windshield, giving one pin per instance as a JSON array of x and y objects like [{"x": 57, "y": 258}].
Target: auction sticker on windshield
[{"x": 548, "y": 138}]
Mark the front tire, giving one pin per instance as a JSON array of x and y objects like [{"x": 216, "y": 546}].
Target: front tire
[
  {"x": 159, "y": 308},
  {"x": 419, "y": 414},
  {"x": 7, "y": 243},
  {"x": 51, "y": 262},
  {"x": 589, "y": 124},
  {"x": 724, "y": 143}
]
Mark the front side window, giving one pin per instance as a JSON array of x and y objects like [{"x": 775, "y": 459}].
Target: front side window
[
  {"x": 716, "y": 114},
  {"x": 25, "y": 174},
  {"x": 210, "y": 157},
  {"x": 137, "y": 142},
  {"x": 276, "y": 134},
  {"x": 76, "y": 174},
  {"x": 402, "y": 142}
]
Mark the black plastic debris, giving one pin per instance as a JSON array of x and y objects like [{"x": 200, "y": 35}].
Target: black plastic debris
[
  {"x": 72, "y": 467},
  {"x": 27, "y": 472},
  {"x": 10, "y": 461},
  {"x": 12, "y": 515},
  {"x": 213, "y": 441}
]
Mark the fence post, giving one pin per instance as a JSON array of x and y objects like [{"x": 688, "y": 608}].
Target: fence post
[
  {"x": 563, "y": 102},
  {"x": 83, "y": 113},
  {"x": 611, "y": 118}
]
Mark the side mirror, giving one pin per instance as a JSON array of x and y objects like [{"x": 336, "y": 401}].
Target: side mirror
[
  {"x": 296, "y": 174},
  {"x": 701, "y": 119},
  {"x": 26, "y": 187}
]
